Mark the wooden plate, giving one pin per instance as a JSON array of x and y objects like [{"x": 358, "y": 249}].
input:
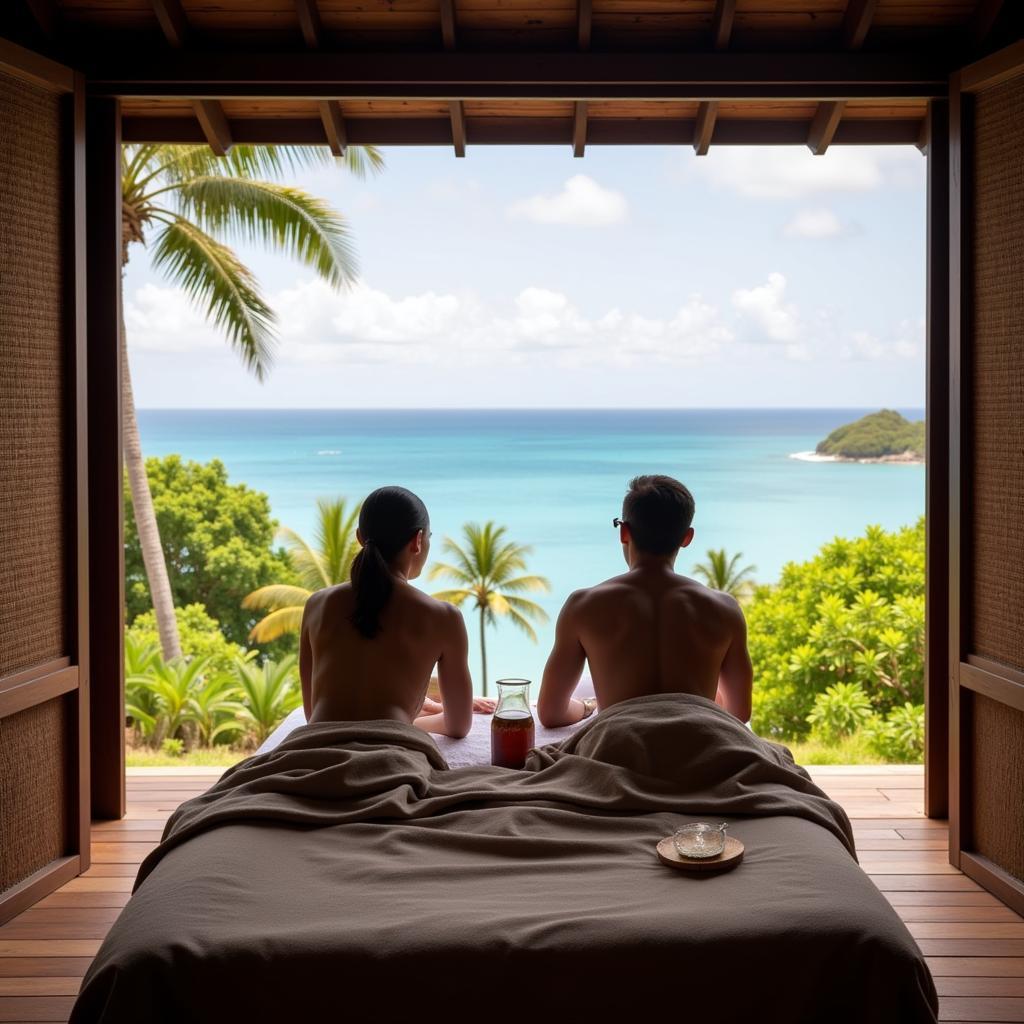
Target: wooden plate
[{"x": 728, "y": 858}]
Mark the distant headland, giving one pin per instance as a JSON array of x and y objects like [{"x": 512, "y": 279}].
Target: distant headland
[{"x": 884, "y": 436}]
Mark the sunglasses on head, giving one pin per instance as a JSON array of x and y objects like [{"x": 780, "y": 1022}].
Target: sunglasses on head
[{"x": 617, "y": 522}]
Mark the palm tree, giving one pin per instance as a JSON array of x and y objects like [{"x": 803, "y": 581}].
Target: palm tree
[
  {"x": 324, "y": 564},
  {"x": 720, "y": 572},
  {"x": 484, "y": 569},
  {"x": 184, "y": 202}
]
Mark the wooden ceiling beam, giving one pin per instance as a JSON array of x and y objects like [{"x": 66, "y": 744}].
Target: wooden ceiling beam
[
  {"x": 334, "y": 126},
  {"x": 707, "y": 114},
  {"x": 584, "y": 23},
  {"x": 857, "y": 22},
  {"x": 173, "y": 23},
  {"x": 579, "y": 128},
  {"x": 823, "y": 127},
  {"x": 525, "y": 131},
  {"x": 458, "y": 122},
  {"x": 448, "y": 24},
  {"x": 196, "y": 74},
  {"x": 214, "y": 124},
  {"x": 45, "y": 14},
  {"x": 721, "y": 23},
  {"x": 310, "y": 24},
  {"x": 983, "y": 19}
]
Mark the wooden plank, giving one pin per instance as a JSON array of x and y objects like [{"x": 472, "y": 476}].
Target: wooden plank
[
  {"x": 26, "y": 892},
  {"x": 49, "y": 947},
  {"x": 214, "y": 124},
  {"x": 706, "y": 116},
  {"x": 97, "y": 884},
  {"x": 173, "y": 22},
  {"x": 458, "y": 123},
  {"x": 823, "y": 127},
  {"x": 28, "y": 693},
  {"x": 51, "y": 985},
  {"x": 924, "y": 883},
  {"x": 584, "y": 23},
  {"x": 44, "y": 966},
  {"x": 448, "y": 24},
  {"x": 976, "y": 966},
  {"x": 35, "y": 1008},
  {"x": 985, "y": 1009},
  {"x": 106, "y": 500},
  {"x": 721, "y": 23},
  {"x": 901, "y": 844},
  {"x": 579, "y": 128},
  {"x": 958, "y": 986},
  {"x": 979, "y": 898},
  {"x": 857, "y": 22},
  {"x": 1002, "y": 688},
  {"x": 972, "y": 947},
  {"x": 998, "y": 67},
  {"x": 309, "y": 23},
  {"x": 62, "y": 898}
]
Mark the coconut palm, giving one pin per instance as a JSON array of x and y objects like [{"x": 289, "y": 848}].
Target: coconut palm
[
  {"x": 270, "y": 692},
  {"x": 485, "y": 568},
  {"x": 720, "y": 572},
  {"x": 185, "y": 204},
  {"x": 324, "y": 563}
]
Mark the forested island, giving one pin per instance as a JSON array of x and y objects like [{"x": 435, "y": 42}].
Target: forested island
[{"x": 884, "y": 436}]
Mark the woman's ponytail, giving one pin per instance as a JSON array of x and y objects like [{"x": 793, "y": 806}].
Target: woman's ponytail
[{"x": 388, "y": 519}]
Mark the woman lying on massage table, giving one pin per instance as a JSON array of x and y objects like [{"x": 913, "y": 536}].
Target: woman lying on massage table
[{"x": 369, "y": 647}]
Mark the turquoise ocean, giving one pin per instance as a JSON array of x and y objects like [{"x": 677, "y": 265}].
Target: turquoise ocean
[{"x": 556, "y": 480}]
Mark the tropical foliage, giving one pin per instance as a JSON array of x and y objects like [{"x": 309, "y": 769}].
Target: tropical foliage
[
  {"x": 722, "y": 572},
  {"x": 268, "y": 693},
  {"x": 879, "y": 434},
  {"x": 490, "y": 573},
  {"x": 186, "y": 205},
  {"x": 844, "y": 628},
  {"x": 217, "y": 541},
  {"x": 324, "y": 563}
]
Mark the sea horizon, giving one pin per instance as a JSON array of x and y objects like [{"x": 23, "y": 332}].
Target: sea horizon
[{"x": 555, "y": 477}]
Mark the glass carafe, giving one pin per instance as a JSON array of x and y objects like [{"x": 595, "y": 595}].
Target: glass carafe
[{"x": 512, "y": 728}]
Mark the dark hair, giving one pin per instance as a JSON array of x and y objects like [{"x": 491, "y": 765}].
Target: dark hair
[
  {"x": 658, "y": 511},
  {"x": 388, "y": 519}
]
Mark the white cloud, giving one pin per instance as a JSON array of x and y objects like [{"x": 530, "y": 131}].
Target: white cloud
[
  {"x": 765, "y": 305},
  {"x": 905, "y": 343},
  {"x": 318, "y": 325},
  {"x": 581, "y": 203},
  {"x": 793, "y": 172},
  {"x": 814, "y": 224}
]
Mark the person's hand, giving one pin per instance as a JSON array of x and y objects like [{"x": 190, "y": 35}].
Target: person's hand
[
  {"x": 484, "y": 706},
  {"x": 431, "y": 707}
]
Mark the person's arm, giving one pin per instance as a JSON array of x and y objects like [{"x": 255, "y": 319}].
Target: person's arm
[
  {"x": 555, "y": 705},
  {"x": 736, "y": 678},
  {"x": 306, "y": 668},
  {"x": 455, "y": 682}
]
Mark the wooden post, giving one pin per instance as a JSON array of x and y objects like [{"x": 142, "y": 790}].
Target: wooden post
[
  {"x": 106, "y": 550},
  {"x": 936, "y": 701}
]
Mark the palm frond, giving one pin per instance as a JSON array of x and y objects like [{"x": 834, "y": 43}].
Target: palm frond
[
  {"x": 275, "y": 596},
  {"x": 211, "y": 274},
  {"x": 455, "y": 597},
  {"x": 307, "y": 561},
  {"x": 277, "y": 624},
  {"x": 461, "y": 573},
  {"x": 360, "y": 161},
  {"x": 282, "y": 217},
  {"x": 526, "y": 585}
]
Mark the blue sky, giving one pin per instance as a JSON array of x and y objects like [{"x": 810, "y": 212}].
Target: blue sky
[{"x": 521, "y": 277}]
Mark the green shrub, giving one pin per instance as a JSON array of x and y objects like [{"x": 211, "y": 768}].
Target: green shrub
[
  {"x": 899, "y": 736},
  {"x": 839, "y": 712},
  {"x": 172, "y": 747},
  {"x": 852, "y": 613},
  {"x": 201, "y": 637},
  {"x": 269, "y": 693}
]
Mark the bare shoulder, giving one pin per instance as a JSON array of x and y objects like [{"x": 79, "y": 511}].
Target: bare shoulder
[
  {"x": 578, "y": 600},
  {"x": 446, "y": 614},
  {"x": 727, "y": 607}
]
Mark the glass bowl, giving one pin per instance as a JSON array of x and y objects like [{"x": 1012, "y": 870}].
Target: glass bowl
[{"x": 700, "y": 840}]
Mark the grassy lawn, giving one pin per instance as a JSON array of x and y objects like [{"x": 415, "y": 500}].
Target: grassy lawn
[
  {"x": 852, "y": 750},
  {"x": 204, "y": 757}
]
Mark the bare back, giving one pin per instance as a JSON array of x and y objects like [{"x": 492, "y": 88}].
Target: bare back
[
  {"x": 349, "y": 677},
  {"x": 647, "y": 631}
]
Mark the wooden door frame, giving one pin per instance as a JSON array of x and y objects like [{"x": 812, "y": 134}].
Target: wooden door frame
[
  {"x": 65, "y": 678},
  {"x": 969, "y": 674}
]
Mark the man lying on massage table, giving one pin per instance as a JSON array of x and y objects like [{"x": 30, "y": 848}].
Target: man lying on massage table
[{"x": 650, "y": 630}]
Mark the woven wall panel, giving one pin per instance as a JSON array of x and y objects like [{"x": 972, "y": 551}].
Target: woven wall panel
[
  {"x": 996, "y": 463},
  {"x": 32, "y": 496},
  {"x": 33, "y": 773},
  {"x": 998, "y": 826}
]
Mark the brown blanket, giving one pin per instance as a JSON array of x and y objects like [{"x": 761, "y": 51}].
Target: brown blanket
[{"x": 351, "y": 872}]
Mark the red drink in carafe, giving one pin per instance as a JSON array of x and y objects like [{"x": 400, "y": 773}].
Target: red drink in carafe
[
  {"x": 512, "y": 735},
  {"x": 512, "y": 729}
]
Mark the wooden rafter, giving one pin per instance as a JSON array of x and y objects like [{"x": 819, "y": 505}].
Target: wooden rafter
[
  {"x": 983, "y": 19},
  {"x": 334, "y": 126},
  {"x": 458, "y": 120},
  {"x": 45, "y": 14},
  {"x": 448, "y": 24},
  {"x": 857, "y": 21},
  {"x": 721, "y": 23},
  {"x": 707, "y": 113},
  {"x": 173, "y": 22},
  {"x": 214, "y": 123},
  {"x": 584, "y": 23},
  {"x": 823, "y": 126},
  {"x": 310, "y": 24},
  {"x": 579, "y": 128}
]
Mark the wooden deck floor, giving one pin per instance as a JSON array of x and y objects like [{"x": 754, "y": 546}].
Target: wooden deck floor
[{"x": 974, "y": 944}]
